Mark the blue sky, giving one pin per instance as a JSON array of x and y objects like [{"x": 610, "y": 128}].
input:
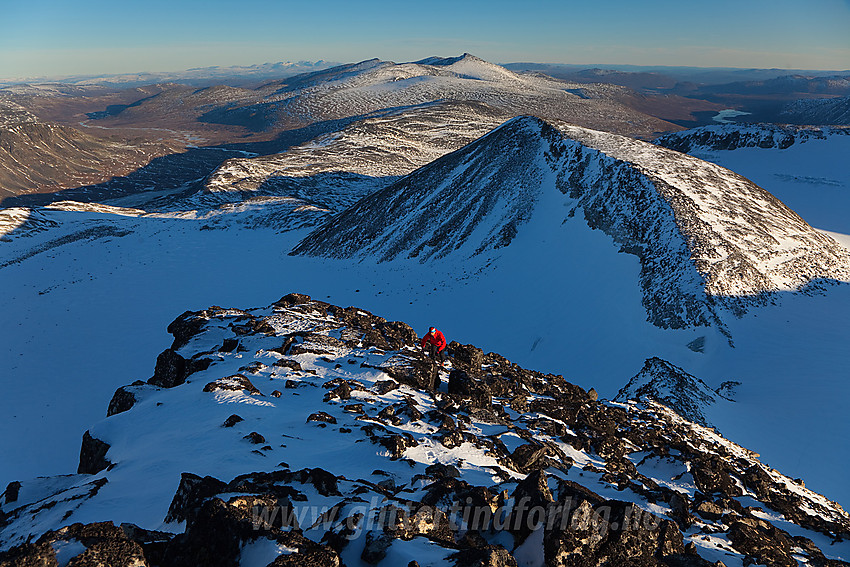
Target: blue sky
[{"x": 59, "y": 37}]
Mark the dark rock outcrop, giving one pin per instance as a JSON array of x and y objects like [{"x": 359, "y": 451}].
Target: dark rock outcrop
[
  {"x": 170, "y": 370},
  {"x": 93, "y": 455}
]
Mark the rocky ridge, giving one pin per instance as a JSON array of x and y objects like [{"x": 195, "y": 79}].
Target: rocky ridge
[
  {"x": 725, "y": 137},
  {"x": 309, "y": 434}
]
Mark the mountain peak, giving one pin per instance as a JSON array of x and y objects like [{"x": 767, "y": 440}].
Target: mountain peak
[{"x": 670, "y": 385}]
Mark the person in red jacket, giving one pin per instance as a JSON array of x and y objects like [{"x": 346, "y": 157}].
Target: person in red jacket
[{"x": 434, "y": 343}]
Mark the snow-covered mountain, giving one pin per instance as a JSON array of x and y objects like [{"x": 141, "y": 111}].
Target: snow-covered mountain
[
  {"x": 88, "y": 287},
  {"x": 376, "y": 150},
  {"x": 705, "y": 236},
  {"x": 374, "y": 85},
  {"x": 668, "y": 384},
  {"x": 308, "y": 434},
  {"x": 802, "y": 165}
]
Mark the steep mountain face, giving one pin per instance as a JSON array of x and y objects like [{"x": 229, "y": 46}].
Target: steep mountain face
[
  {"x": 308, "y": 434},
  {"x": 466, "y": 200},
  {"x": 831, "y": 111},
  {"x": 668, "y": 384},
  {"x": 36, "y": 156},
  {"x": 705, "y": 236}
]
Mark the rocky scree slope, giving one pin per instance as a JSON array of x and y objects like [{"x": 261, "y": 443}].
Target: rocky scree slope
[
  {"x": 708, "y": 239},
  {"x": 308, "y": 434}
]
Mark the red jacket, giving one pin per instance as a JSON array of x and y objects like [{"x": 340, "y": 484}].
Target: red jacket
[{"x": 437, "y": 339}]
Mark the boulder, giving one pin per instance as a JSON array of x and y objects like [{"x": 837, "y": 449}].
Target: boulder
[
  {"x": 321, "y": 417},
  {"x": 103, "y": 542},
  {"x": 234, "y": 383},
  {"x": 186, "y": 326},
  {"x": 170, "y": 370},
  {"x": 527, "y": 456},
  {"x": 232, "y": 420},
  {"x": 191, "y": 493},
  {"x": 383, "y": 387},
  {"x": 12, "y": 491},
  {"x": 762, "y": 543},
  {"x": 468, "y": 356},
  {"x": 123, "y": 399},
  {"x": 489, "y": 556},
  {"x": 93, "y": 455}
]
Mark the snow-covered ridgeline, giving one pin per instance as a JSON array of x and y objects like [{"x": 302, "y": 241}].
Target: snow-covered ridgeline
[
  {"x": 734, "y": 136},
  {"x": 705, "y": 235}
]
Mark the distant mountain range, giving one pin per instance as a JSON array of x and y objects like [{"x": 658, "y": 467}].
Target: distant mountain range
[{"x": 198, "y": 76}]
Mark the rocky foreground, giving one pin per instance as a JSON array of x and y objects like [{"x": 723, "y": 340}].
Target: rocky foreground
[{"x": 309, "y": 434}]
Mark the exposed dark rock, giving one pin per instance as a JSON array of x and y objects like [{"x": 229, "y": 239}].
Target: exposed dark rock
[
  {"x": 419, "y": 374},
  {"x": 439, "y": 470},
  {"x": 709, "y": 510},
  {"x": 321, "y": 417},
  {"x": 191, "y": 493},
  {"x": 489, "y": 556},
  {"x": 341, "y": 392},
  {"x": 11, "y": 492},
  {"x": 232, "y": 420},
  {"x": 532, "y": 498},
  {"x": 711, "y": 476},
  {"x": 105, "y": 545},
  {"x": 93, "y": 455},
  {"x": 234, "y": 383},
  {"x": 763, "y": 543},
  {"x": 375, "y": 548},
  {"x": 324, "y": 482},
  {"x": 123, "y": 399},
  {"x": 527, "y": 456},
  {"x": 229, "y": 345},
  {"x": 255, "y": 438},
  {"x": 469, "y": 356},
  {"x": 170, "y": 370},
  {"x": 383, "y": 387},
  {"x": 474, "y": 392},
  {"x": 288, "y": 363},
  {"x": 292, "y": 299},
  {"x": 186, "y": 326}
]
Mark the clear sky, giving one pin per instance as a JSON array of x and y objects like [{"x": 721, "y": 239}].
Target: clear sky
[{"x": 69, "y": 37}]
